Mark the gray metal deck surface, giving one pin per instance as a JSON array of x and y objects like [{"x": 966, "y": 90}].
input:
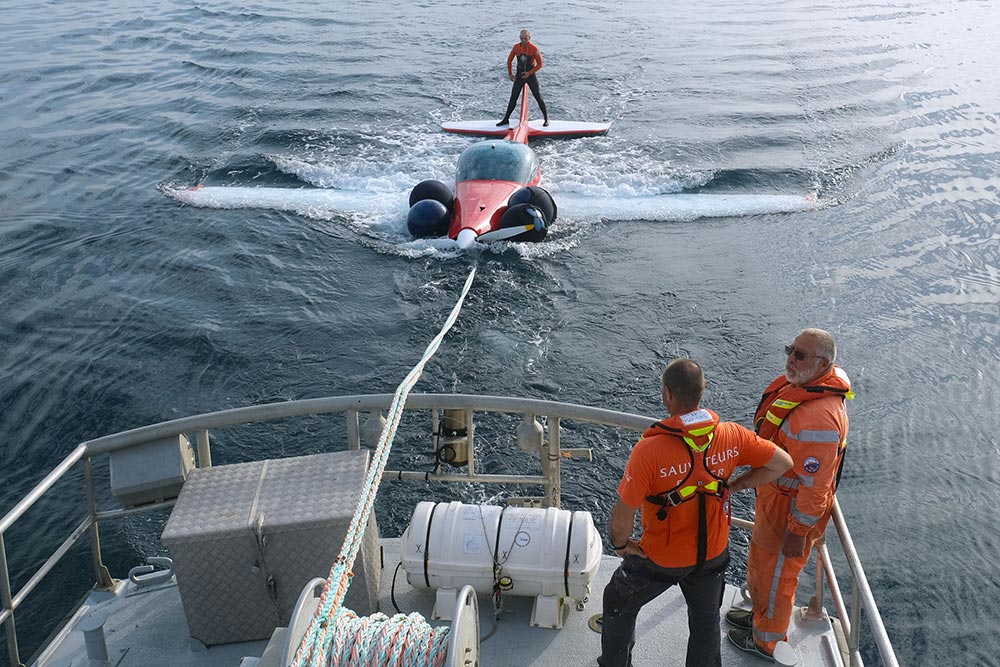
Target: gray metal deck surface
[{"x": 146, "y": 628}]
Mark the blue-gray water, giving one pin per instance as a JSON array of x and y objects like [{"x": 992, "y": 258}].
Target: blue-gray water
[{"x": 122, "y": 307}]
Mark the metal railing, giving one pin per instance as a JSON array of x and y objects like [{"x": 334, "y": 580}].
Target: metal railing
[{"x": 551, "y": 454}]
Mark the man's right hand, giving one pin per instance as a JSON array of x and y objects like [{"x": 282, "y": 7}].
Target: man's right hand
[
  {"x": 510, "y": 76},
  {"x": 793, "y": 546}
]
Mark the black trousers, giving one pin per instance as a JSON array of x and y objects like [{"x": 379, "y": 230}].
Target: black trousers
[
  {"x": 639, "y": 581},
  {"x": 518, "y": 86}
]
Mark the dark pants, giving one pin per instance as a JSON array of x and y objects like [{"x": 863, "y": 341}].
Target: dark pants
[
  {"x": 532, "y": 82},
  {"x": 638, "y": 581}
]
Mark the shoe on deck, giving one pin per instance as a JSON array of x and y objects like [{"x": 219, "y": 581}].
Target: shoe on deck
[
  {"x": 546, "y": 123},
  {"x": 740, "y": 618},
  {"x": 503, "y": 122},
  {"x": 744, "y": 641}
]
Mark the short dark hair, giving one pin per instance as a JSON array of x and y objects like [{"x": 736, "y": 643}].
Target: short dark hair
[{"x": 685, "y": 380}]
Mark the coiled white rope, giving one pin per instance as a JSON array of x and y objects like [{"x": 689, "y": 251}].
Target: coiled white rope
[{"x": 337, "y": 636}]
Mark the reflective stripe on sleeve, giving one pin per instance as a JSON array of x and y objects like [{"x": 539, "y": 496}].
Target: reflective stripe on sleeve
[
  {"x": 788, "y": 483},
  {"x": 810, "y": 435}
]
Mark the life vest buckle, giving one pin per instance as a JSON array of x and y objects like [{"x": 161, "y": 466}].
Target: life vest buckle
[{"x": 666, "y": 500}]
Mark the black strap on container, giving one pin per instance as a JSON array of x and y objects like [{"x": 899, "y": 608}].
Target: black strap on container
[
  {"x": 569, "y": 541},
  {"x": 427, "y": 544},
  {"x": 496, "y": 547}
]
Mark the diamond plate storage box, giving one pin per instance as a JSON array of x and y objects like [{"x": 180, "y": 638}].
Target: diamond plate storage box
[{"x": 247, "y": 538}]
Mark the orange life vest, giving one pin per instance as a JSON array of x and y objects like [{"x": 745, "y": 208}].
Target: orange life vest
[
  {"x": 781, "y": 397},
  {"x": 695, "y": 431}
]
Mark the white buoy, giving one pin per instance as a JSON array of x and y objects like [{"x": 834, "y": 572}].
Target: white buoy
[{"x": 466, "y": 238}]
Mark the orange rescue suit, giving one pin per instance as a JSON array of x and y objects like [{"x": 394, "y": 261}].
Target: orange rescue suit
[
  {"x": 810, "y": 423},
  {"x": 682, "y": 457}
]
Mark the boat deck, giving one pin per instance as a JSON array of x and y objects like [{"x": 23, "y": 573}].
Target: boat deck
[{"x": 146, "y": 627}]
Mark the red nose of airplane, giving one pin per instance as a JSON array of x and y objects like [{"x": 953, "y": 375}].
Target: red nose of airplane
[{"x": 479, "y": 205}]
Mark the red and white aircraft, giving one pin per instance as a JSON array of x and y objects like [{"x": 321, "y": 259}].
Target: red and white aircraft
[{"x": 495, "y": 196}]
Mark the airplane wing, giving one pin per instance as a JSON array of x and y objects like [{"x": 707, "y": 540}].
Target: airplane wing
[
  {"x": 304, "y": 201},
  {"x": 556, "y": 128},
  {"x": 680, "y": 207},
  {"x": 320, "y": 202}
]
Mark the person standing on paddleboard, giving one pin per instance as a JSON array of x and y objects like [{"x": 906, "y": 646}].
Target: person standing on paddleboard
[{"x": 529, "y": 61}]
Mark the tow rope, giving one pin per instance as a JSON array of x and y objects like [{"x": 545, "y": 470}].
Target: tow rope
[{"x": 337, "y": 636}]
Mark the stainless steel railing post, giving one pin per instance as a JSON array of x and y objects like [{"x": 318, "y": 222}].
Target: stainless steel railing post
[
  {"x": 101, "y": 574},
  {"x": 353, "y": 430},
  {"x": 835, "y": 593},
  {"x": 204, "y": 449},
  {"x": 854, "y": 637},
  {"x": 551, "y": 467},
  {"x": 470, "y": 434},
  {"x": 815, "y": 609},
  {"x": 8, "y": 606}
]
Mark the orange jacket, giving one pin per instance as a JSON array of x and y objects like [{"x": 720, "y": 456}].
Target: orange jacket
[
  {"x": 810, "y": 423},
  {"x": 662, "y": 462},
  {"x": 529, "y": 59}
]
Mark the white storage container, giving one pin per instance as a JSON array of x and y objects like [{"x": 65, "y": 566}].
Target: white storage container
[{"x": 551, "y": 554}]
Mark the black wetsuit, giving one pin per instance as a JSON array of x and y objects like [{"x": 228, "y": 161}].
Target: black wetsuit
[{"x": 525, "y": 62}]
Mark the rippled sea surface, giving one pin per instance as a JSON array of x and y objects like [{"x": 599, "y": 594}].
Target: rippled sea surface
[{"x": 122, "y": 307}]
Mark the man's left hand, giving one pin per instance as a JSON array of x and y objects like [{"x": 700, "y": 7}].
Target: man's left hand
[
  {"x": 793, "y": 545},
  {"x": 632, "y": 548}
]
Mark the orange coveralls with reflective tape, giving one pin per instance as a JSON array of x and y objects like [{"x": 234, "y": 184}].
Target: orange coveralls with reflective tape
[{"x": 814, "y": 433}]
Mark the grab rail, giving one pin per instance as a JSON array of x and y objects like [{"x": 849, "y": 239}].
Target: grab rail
[
  {"x": 861, "y": 596},
  {"x": 554, "y": 413}
]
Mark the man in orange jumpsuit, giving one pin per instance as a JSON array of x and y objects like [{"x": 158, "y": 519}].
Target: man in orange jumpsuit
[
  {"x": 529, "y": 61},
  {"x": 803, "y": 411},
  {"x": 677, "y": 476}
]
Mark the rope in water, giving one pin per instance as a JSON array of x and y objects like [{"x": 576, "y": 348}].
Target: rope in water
[{"x": 337, "y": 636}]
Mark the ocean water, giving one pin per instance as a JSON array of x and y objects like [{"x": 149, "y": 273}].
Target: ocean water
[{"x": 123, "y": 306}]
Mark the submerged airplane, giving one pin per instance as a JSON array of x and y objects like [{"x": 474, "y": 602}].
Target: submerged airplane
[
  {"x": 496, "y": 184},
  {"x": 497, "y": 196}
]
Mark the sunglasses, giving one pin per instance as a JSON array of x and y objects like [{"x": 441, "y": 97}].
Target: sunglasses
[{"x": 799, "y": 354}]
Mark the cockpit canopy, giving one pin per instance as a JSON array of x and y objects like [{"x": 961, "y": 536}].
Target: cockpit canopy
[{"x": 497, "y": 160}]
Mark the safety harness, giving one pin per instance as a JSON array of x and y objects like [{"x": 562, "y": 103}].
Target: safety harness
[{"x": 696, "y": 430}]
